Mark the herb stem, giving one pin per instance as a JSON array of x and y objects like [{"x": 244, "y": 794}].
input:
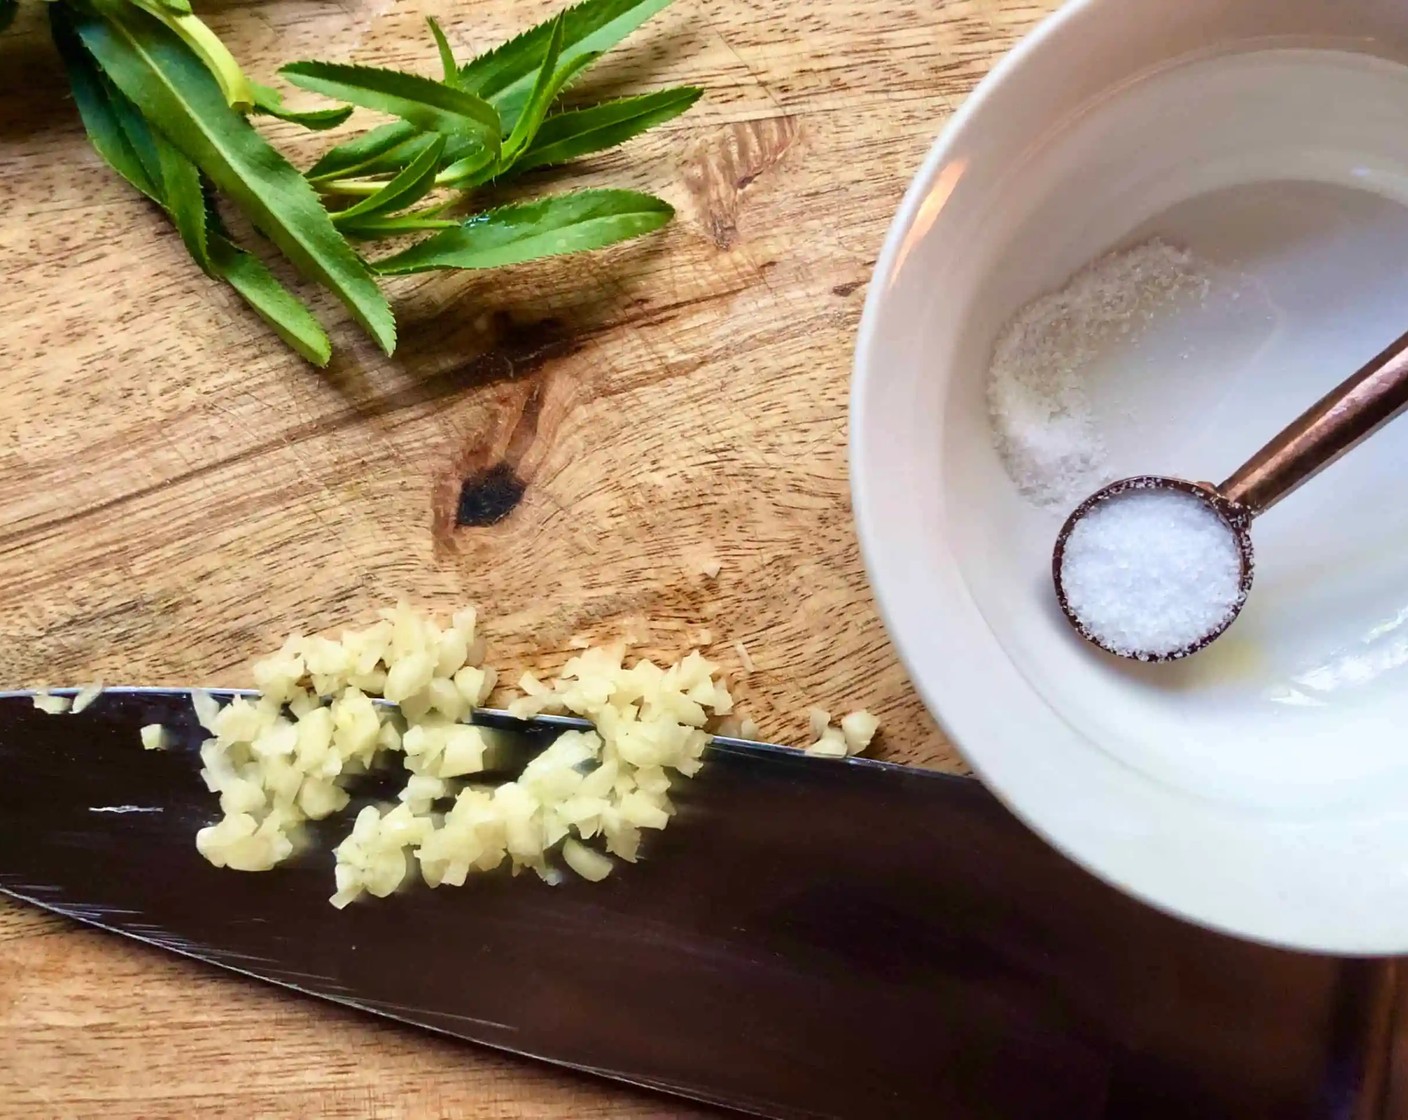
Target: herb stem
[
  {"x": 371, "y": 186},
  {"x": 352, "y": 186},
  {"x": 208, "y": 47},
  {"x": 451, "y": 178}
]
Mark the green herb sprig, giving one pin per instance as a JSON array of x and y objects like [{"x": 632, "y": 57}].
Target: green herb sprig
[{"x": 168, "y": 108}]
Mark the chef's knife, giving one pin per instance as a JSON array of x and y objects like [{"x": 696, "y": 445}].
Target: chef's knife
[{"x": 810, "y": 938}]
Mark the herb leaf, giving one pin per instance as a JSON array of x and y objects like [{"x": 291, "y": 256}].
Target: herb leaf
[
  {"x": 139, "y": 135},
  {"x": 579, "y": 132},
  {"x": 406, "y": 189},
  {"x": 467, "y": 171},
  {"x": 536, "y": 107},
  {"x": 505, "y": 75},
  {"x": 96, "y": 109},
  {"x": 185, "y": 200},
  {"x": 564, "y": 223},
  {"x": 164, "y": 103},
  {"x": 379, "y": 225},
  {"x": 270, "y": 102},
  {"x": 156, "y": 70},
  {"x": 361, "y": 153},
  {"x": 427, "y": 105},
  {"x": 271, "y": 301},
  {"x": 121, "y": 137},
  {"x": 448, "y": 66}
]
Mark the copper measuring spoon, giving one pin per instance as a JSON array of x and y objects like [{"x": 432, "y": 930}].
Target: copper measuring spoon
[{"x": 1339, "y": 421}]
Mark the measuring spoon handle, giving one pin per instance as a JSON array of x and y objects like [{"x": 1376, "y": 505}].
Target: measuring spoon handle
[{"x": 1349, "y": 413}]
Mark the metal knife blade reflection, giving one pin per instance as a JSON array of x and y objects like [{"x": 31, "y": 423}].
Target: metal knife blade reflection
[{"x": 808, "y": 939}]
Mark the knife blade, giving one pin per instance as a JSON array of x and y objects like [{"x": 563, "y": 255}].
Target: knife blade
[{"x": 810, "y": 938}]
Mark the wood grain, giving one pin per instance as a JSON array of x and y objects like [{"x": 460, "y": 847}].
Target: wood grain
[{"x": 177, "y": 491}]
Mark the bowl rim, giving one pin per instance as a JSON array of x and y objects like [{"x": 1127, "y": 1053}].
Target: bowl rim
[{"x": 941, "y": 151}]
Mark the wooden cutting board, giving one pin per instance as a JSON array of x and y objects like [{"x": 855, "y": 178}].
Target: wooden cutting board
[{"x": 177, "y": 491}]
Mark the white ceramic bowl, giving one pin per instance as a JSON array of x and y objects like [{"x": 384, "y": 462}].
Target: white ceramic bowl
[{"x": 1262, "y": 786}]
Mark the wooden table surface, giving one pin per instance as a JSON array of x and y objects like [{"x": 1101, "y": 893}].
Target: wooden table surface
[{"x": 177, "y": 491}]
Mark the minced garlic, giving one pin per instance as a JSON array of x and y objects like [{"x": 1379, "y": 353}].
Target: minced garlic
[
  {"x": 85, "y": 697},
  {"x": 279, "y": 759},
  {"x": 154, "y": 737},
  {"x": 50, "y": 704},
  {"x": 852, "y": 737}
]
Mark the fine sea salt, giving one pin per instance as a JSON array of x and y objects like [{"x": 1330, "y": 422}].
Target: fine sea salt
[
  {"x": 1151, "y": 571},
  {"x": 1039, "y": 406}
]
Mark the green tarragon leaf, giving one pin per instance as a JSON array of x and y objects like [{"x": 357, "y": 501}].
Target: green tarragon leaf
[
  {"x": 544, "y": 91},
  {"x": 396, "y": 143},
  {"x": 97, "y": 109},
  {"x": 468, "y": 170},
  {"x": 270, "y": 102},
  {"x": 406, "y": 189},
  {"x": 467, "y": 173},
  {"x": 505, "y": 75},
  {"x": 271, "y": 301},
  {"x": 155, "y": 69},
  {"x": 139, "y": 135},
  {"x": 564, "y": 223},
  {"x": 422, "y": 103},
  {"x": 579, "y": 132},
  {"x": 121, "y": 137},
  {"x": 377, "y": 226},
  {"x": 185, "y": 200},
  {"x": 448, "y": 66}
]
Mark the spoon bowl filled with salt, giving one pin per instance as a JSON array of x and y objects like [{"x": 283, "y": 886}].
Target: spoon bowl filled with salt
[{"x": 1155, "y": 568}]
